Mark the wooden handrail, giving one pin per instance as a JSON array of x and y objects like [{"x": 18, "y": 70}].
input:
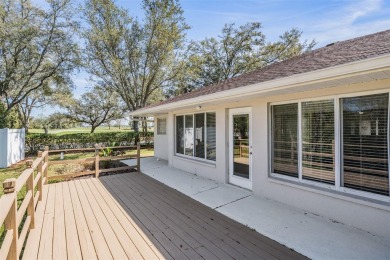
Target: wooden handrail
[
  {"x": 92, "y": 149},
  {"x": 97, "y": 159},
  {"x": 11, "y": 216}
]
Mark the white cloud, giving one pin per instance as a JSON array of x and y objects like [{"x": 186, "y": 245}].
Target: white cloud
[{"x": 355, "y": 19}]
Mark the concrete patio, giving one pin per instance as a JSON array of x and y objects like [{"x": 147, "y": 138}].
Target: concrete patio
[{"x": 311, "y": 235}]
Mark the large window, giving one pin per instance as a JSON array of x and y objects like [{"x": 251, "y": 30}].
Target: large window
[
  {"x": 285, "y": 132},
  {"x": 318, "y": 141},
  {"x": 365, "y": 163},
  {"x": 196, "y": 135},
  {"x": 305, "y": 145}
]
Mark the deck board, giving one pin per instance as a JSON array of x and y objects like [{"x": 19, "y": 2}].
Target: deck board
[
  {"x": 134, "y": 240},
  {"x": 111, "y": 228},
  {"x": 211, "y": 219},
  {"x": 98, "y": 238},
  {"x": 45, "y": 250},
  {"x": 132, "y": 216},
  {"x": 86, "y": 243},
  {"x": 31, "y": 249},
  {"x": 165, "y": 227},
  {"x": 213, "y": 233},
  {"x": 59, "y": 236},
  {"x": 72, "y": 239},
  {"x": 184, "y": 222}
]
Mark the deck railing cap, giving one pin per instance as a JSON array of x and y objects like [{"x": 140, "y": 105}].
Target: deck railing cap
[{"x": 9, "y": 185}]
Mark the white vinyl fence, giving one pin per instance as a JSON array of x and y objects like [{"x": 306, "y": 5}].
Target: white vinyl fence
[{"x": 11, "y": 146}]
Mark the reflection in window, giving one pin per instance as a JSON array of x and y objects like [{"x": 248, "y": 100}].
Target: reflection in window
[
  {"x": 365, "y": 143},
  {"x": 196, "y": 135},
  {"x": 161, "y": 126},
  {"x": 189, "y": 135},
  {"x": 284, "y": 133},
  {"x": 199, "y": 135},
  {"x": 241, "y": 145},
  {"x": 211, "y": 137},
  {"x": 318, "y": 141},
  {"x": 180, "y": 134}
]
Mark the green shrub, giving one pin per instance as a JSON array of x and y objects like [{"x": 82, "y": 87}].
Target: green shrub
[{"x": 37, "y": 142}]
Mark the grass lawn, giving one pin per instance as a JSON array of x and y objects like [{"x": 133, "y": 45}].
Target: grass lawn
[{"x": 102, "y": 129}]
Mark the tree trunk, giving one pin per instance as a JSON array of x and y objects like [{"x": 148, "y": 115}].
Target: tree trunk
[
  {"x": 136, "y": 131},
  {"x": 144, "y": 126},
  {"x": 93, "y": 129},
  {"x": 27, "y": 126},
  {"x": 135, "y": 126},
  {"x": 46, "y": 130}
]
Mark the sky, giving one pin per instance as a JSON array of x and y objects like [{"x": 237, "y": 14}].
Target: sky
[{"x": 325, "y": 21}]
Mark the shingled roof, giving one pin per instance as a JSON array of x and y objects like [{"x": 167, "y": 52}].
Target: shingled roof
[{"x": 334, "y": 54}]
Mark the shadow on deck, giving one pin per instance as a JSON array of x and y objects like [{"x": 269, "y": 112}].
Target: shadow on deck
[{"x": 134, "y": 216}]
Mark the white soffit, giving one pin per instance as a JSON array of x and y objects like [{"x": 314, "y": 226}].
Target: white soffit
[{"x": 356, "y": 72}]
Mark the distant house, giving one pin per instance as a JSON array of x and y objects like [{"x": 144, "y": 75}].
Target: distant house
[{"x": 311, "y": 132}]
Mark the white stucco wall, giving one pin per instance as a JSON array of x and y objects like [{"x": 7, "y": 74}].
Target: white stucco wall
[
  {"x": 11, "y": 146},
  {"x": 368, "y": 214}
]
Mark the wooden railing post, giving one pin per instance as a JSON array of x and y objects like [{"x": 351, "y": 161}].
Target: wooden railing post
[
  {"x": 39, "y": 170},
  {"x": 97, "y": 151},
  {"x": 10, "y": 222},
  {"x": 47, "y": 164},
  {"x": 139, "y": 157},
  {"x": 30, "y": 207}
]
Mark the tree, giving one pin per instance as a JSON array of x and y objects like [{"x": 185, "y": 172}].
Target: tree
[
  {"x": 134, "y": 59},
  {"x": 97, "y": 107},
  {"x": 36, "y": 46},
  {"x": 49, "y": 95},
  {"x": 55, "y": 121},
  {"x": 236, "y": 51},
  {"x": 11, "y": 120},
  {"x": 288, "y": 46}
]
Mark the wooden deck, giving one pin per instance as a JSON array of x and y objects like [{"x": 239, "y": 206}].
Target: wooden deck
[{"x": 134, "y": 216}]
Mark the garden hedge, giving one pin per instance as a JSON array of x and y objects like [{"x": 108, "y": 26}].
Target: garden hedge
[{"x": 37, "y": 142}]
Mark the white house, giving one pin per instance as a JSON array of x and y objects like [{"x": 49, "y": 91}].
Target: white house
[{"x": 311, "y": 132}]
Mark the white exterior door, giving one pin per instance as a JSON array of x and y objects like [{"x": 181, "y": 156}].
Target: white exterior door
[{"x": 240, "y": 147}]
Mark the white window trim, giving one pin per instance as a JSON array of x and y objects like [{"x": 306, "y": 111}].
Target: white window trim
[
  {"x": 194, "y": 158},
  {"x": 338, "y": 147},
  {"x": 157, "y": 125}
]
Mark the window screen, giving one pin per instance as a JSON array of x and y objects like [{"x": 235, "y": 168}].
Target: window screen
[
  {"x": 284, "y": 133},
  {"x": 161, "y": 126},
  {"x": 199, "y": 135},
  {"x": 211, "y": 137},
  {"x": 318, "y": 141},
  {"x": 365, "y": 143},
  {"x": 180, "y": 134},
  {"x": 196, "y": 135},
  {"x": 189, "y": 135}
]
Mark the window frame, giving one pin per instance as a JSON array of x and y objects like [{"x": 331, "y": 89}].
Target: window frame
[
  {"x": 338, "y": 145},
  {"x": 158, "y": 126},
  {"x": 204, "y": 160}
]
